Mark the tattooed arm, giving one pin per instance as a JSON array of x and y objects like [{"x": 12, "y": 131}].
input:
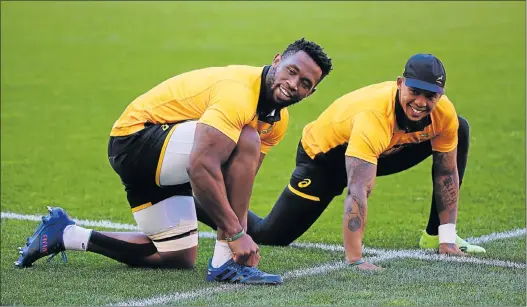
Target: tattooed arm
[
  {"x": 446, "y": 192},
  {"x": 361, "y": 177}
]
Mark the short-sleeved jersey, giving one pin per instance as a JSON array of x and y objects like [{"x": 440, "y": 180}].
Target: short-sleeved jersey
[
  {"x": 366, "y": 121},
  {"x": 225, "y": 98}
]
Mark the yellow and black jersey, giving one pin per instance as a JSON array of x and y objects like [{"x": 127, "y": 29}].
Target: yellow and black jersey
[
  {"x": 225, "y": 98},
  {"x": 365, "y": 121}
]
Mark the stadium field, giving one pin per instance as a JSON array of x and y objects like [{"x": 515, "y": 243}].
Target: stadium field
[{"x": 68, "y": 70}]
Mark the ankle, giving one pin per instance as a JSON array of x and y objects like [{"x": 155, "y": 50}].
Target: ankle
[
  {"x": 222, "y": 254},
  {"x": 76, "y": 237}
]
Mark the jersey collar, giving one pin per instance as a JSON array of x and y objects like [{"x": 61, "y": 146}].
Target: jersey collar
[
  {"x": 265, "y": 113},
  {"x": 407, "y": 125}
]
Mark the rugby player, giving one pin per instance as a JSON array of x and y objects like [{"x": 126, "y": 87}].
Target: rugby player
[
  {"x": 377, "y": 130},
  {"x": 203, "y": 133}
]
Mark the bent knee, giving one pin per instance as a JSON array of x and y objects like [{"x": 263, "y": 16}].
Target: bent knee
[
  {"x": 172, "y": 226},
  {"x": 182, "y": 259},
  {"x": 464, "y": 126},
  {"x": 463, "y": 130}
]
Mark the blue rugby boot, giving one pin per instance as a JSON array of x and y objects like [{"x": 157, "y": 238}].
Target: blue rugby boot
[
  {"x": 231, "y": 272},
  {"x": 46, "y": 240}
]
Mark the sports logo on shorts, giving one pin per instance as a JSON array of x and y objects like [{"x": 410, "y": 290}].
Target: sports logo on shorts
[
  {"x": 304, "y": 183},
  {"x": 164, "y": 127}
]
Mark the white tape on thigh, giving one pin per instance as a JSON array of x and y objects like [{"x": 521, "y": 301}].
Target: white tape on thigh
[
  {"x": 177, "y": 155},
  {"x": 179, "y": 244},
  {"x": 168, "y": 218}
]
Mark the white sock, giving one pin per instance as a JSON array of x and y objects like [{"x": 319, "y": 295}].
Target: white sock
[
  {"x": 222, "y": 254},
  {"x": 76, "y": 238}
]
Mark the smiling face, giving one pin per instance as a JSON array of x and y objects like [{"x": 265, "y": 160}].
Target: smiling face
[
  {"x": 291, "y": 78},
  {"x": 416, "y": 103}
]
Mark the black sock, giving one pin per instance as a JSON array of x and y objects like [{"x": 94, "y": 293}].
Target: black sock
[{"x": 112, "y": 245}]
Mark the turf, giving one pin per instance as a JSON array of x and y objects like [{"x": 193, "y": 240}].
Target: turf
[
  {"x": 90, "y": 279},
  {"x": 68, "y": 70},
  {"x": 405, "y": 283}
]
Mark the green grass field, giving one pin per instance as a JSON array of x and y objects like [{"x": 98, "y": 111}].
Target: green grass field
[{"x": 68, "y": 70}]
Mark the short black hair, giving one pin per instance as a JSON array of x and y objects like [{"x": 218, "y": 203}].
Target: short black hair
[{"x": 314, "y": 51}]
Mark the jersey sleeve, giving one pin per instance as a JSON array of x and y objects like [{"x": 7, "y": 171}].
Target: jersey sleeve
[
  {"x": 370, "y": 136},
  {"x": 277, "y": 133},
  {"x": 230, "y": 108},
  {"x": 446, "y": 140}
]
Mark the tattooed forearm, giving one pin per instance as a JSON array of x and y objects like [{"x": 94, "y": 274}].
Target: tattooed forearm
[
  {"x": 449, "y": 191},
  {"x": 354, "y": 224},
  {"x": 446, "y": 186},
  {"x": 355, "y": 212},
  {"x": 361, "y": 176}
]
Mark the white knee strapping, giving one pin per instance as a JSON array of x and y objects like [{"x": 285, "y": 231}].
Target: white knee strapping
[
  {"x": 168, "y": 218},
  {"x": 177, "y": 155}
]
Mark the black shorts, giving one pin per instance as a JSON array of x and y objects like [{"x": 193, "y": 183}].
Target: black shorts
[
  {"x": 325, "y": 176},
  {"x": 135, "y": 158}
]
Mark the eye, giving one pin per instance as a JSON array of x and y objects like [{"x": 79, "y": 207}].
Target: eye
[
  {"x": 431, "y": 96},
  {"x": 291, "y": 71},
  {"x": 415, "y": 92},
  {"x": 305, "y": 85}
]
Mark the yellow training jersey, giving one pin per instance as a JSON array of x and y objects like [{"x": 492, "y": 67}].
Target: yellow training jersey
[
  {"x": 365, "y": 121},
  {"x": 225, "y": 98}
]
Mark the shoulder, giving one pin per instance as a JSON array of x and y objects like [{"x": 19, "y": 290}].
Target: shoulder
[
  {"x": 373, "y": 91},
  {"x": 376, "y": 97},
  {"x": 245, "y": 79},
  {"x": 249, "y": 76}
]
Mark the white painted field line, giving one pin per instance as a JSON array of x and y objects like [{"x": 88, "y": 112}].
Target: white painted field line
[
  {"x": 335, "y": 247},
  {"x": 491, "y": 262},
  {"x": 332, "y": 266},
  {"x": 496, "y": 236},
  {"x": 202, "y": 234},
  {"x": 174, "y": 298},
  {"x": 88, "y": 223},
  {"x": 432, "y": 256},
  {"x": 384, "y": 255},
  {"x": 212, "y": 235},
  {"x": 179, "y": 296},
  {"x": 119, "y": 226}
]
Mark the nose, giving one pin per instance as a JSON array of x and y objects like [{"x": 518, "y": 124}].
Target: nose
[
  {"x": 420, "y": 101},
  {"x": 293, "y": 83}
]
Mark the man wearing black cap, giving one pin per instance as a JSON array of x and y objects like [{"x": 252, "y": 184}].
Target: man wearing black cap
[{"x": 374, "y": 131}]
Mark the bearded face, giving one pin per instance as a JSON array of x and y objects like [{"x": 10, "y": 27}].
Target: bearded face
[{"x": 291, "y": 78}]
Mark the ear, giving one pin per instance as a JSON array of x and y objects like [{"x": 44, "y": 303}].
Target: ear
[
  {"x": 400, "y": 81},
  {"x": 276, "y": 59}
]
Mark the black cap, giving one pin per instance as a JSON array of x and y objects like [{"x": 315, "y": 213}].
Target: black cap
[{"x": 426, "y": 72}]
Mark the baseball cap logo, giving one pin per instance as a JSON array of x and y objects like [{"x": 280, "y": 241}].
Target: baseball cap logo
[{"x": 440, "y": 80}]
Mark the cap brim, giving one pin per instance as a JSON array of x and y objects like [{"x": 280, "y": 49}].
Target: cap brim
[{"x": 423, "y": 85}]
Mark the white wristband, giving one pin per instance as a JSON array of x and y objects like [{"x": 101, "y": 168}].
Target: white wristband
[{"x": 447, "y": 233}]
